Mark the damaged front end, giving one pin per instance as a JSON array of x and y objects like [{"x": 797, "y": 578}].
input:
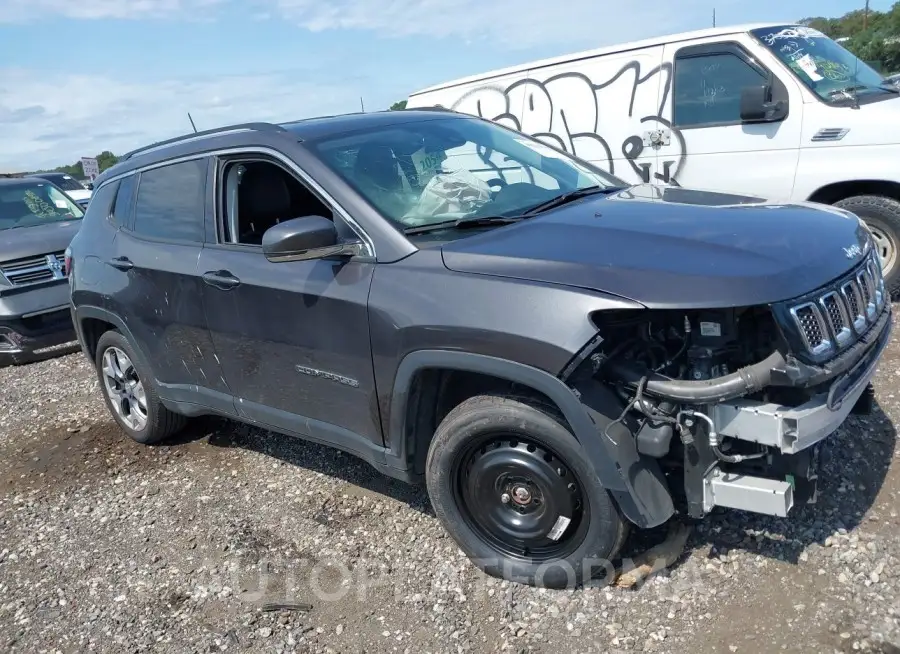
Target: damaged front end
[{"x": 733, "y": 406}]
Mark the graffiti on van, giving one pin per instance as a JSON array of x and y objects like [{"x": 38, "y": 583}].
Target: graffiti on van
[{"x": 600, "y": 121}]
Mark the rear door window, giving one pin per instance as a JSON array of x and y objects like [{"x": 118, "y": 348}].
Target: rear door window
[{"x": 171, "y": 202}]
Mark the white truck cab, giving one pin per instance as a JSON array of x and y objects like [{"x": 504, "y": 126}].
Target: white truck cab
[{"x": 772, "y": 110}]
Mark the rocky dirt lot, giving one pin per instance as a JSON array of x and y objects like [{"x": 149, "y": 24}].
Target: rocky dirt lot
[{"x": 109, "y": 546}]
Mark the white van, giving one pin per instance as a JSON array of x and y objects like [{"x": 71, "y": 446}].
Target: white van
[{"x": 778, "y": 111}]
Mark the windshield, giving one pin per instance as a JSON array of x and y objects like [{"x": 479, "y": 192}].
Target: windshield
[
  {"x": 67, "y": 183},
  {"x": 825, "y": 67},
  {"x": 29, "y": 204},
  {"x": 425, "y": 172}
]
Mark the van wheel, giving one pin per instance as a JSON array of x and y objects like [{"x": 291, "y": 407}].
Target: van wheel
[
  {"x": 130, "y": 394},
  {"x": 513, "y": 487},
  {"x": 882, "y": 216}
]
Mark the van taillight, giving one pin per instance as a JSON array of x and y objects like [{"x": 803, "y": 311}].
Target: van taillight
[{"x": 67, "y": 263}]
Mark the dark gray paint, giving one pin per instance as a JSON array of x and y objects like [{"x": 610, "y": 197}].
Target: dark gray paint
[
  {"x": 223, "y": 330},
  {"x": 18, "y": 301},
  {"x": 37, "y": 240},
  {"x": 671, "y": 254}
]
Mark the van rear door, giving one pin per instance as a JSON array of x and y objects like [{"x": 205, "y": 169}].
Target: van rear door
[{"x": 721, "y": 151}]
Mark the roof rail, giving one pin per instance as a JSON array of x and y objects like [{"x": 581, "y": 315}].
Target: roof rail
[{"x": 256, "y": 127}]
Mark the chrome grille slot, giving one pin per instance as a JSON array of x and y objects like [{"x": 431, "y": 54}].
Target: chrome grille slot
[
  {"x": 851, "y": 293},
  {"x": 812, "y": 328},
  {"x": 864, "y": 279},
  {"x": 874, "y": 268},
  {"x": 837, "y": 315},
  {"x": 31, "y": 270}
]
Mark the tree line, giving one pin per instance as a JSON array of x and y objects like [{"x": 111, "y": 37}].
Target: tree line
[
  {"x": 874, "y": 36},
  {"x": 105, "y": 160}
]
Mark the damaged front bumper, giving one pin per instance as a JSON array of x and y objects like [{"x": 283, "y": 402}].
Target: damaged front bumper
[{"x": 795, "y": 434}]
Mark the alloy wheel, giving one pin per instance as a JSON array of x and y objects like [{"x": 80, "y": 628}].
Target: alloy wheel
[{"x": 125, "y": 389}]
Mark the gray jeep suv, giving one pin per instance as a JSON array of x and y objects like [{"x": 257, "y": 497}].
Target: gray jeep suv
[{"x": 558, "y": 355}]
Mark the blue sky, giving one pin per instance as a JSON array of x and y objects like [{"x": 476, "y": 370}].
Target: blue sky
[{"x": 81, "y": 76}]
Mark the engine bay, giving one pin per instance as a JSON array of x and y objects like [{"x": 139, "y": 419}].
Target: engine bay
[{"x": 687, "y": 345}]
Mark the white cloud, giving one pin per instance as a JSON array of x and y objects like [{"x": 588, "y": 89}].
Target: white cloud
[
  {"x": 27, "y": 10},
  {"x": 510, "y": 23},
  {"x": 51, "y": 120}
]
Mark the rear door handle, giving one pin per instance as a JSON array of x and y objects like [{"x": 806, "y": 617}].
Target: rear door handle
[
  {"x": 121, "y": 263},
  {"x": 221, "y": 279}
]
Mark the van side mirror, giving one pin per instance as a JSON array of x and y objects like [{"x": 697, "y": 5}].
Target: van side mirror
[
  {"x": 302, "y": 239},
  {"x": 757, "y": 105}
]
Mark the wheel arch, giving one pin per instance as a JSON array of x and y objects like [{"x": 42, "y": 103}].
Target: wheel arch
[
  {"x": 90, "y": 322},
  {"x": 411, "y": 428},
  {"x": 837, "y": 191}
]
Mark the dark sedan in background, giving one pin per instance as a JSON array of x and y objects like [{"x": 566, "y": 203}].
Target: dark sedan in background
[{"x": 37, "y": 223}]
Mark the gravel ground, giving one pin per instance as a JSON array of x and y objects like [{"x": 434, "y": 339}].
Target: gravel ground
[{"x": 109, "y": 546}]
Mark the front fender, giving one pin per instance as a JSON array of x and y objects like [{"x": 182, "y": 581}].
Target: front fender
[{"x": 635, "y": 481}]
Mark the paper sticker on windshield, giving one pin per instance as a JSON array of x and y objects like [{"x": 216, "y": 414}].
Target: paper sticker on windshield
[
  {"x": 427, "y": 164},
  {"x": 61, "y": 204},
  {"x": 808, "y": 65}
]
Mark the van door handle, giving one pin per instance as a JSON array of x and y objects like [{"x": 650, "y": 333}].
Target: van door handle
[
  {"x": 121, "y": 263},
  {"x": 221, "y": 279}
]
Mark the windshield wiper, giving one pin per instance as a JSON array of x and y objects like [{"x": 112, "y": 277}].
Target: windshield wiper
[
  {"x": 465, "y": 223},
  {"x": 849, "y": 92},
  {"x": 571, "y": 196}
]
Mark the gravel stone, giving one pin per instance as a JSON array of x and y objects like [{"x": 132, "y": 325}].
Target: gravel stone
[{"x": 217, "y": 541}]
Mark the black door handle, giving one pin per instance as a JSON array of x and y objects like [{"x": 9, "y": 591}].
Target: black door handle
[
  {"x": 121, "y": 263},
  {"x": 221, "y": 279}
]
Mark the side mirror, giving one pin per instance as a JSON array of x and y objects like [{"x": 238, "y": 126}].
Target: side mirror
[
  {"x": 301, "y": 239},
  {"x": 757, "y": 106}
]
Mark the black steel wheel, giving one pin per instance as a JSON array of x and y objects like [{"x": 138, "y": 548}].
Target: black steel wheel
[
  {"x": 514, "y": 488},
  {"x": 521, "y": 498}
]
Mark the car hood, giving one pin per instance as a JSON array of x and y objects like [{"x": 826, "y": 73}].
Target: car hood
[
  {"x": 669, "y": 247},
  {"x": 37, "y": 240},
  {"x": 79, "y": 194}
]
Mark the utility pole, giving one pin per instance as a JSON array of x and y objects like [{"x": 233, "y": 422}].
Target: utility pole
[
  {"x": 714, "y": 16},
  {"x": 866, "y": 17},
  {"x": 362, "y": 107}
]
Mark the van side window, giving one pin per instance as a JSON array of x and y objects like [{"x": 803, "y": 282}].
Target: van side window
[
  {"x": 171, "y": 201},
  {"x": 708, "y": 88}
]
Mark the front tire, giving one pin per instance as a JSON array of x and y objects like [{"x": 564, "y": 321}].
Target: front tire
[
  {"x": 130, "y": 394},
  {"x": 513, "y": 487},
  {"x": 882, "y": 216}
]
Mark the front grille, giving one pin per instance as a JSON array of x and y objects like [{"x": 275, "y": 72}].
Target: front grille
[
  {"x": 32, "y": 270},
  {"x": 839, "y": 314}
]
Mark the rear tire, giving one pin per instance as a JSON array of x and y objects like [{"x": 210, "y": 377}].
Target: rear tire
[
  {"x": 882, "y": 215},
  {"x": 130, "y": 394},
  {"x": 505, "y": 477}
]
